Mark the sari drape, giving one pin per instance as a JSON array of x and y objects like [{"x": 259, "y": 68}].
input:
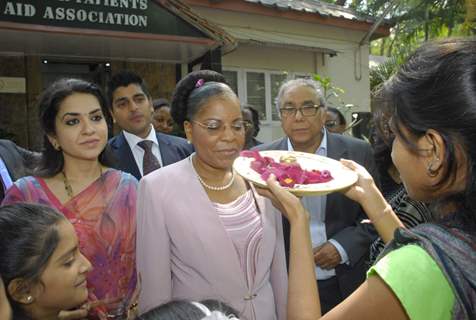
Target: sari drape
[{"x": 104, "y": 217}]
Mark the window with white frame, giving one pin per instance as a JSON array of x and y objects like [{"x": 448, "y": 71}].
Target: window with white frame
[
  {"x": 232, "y": 79},
  {"x": 276, "y": 79},
  {"x": 256, "y": 92},
  {"x": 259, "y": 88}
]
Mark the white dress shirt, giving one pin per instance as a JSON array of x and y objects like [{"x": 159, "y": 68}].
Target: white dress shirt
[
  {"x": 5, "y": 177},
  {"x": 316, "y": 205},
  {"x": 138, "y": 152}
]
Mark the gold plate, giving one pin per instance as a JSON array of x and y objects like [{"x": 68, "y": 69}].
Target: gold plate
[{"x": 342, "y": 176}]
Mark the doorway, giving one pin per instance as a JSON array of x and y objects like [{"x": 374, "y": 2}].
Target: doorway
[{"x": 52, "y": 70}]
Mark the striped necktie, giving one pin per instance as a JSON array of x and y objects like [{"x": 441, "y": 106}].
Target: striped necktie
[{"x": 150, "y": 161}]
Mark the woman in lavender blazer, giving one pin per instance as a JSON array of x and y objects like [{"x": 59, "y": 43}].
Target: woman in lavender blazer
[{"x": 204, "y": 233}]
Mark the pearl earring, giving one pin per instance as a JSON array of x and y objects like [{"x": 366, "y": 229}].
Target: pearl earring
[{"x": 29, "y": 299}]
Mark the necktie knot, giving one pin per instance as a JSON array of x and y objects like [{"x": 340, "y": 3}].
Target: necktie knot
[
  {"x": 146, "y": 145},
  {"x": 149, "y": 162}
]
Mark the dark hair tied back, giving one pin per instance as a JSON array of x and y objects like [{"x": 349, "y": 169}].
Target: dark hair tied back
[
  {"x": 28, "y": 238},
  {"x": 188, "y": 97},
  {"x": 436, "y": 89},
  {"x": 186, "y": 310}
]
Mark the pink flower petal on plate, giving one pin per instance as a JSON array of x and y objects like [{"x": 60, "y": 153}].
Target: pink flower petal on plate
[
  {"x": 258, "y": 166},
  {"x": 316, "y": 176},
  {"x": 251, "y": 154},
  {"x": 287, "y": 174},
  {"x": 269, "y": 160}
]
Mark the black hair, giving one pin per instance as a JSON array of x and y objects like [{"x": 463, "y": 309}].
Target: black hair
[
  {"x": 380, "y": 136},
  {"x": 216, "y": 305},
  {"x": 185, "y": 310},
  {"x": 28, "y": 238},
  {"x": 160, "y": 103},
  {"x": 436, "y": 89},
  {"x": 382, "y": 152},
  {"x": 52, "y": 160},
  {"x": 339, "y": 115},
  {"x": 174, "y": 310},
  {"x": 123, "y": 79},
  {"x": 254, "y": 117},
  {"x": 194, "y": 90}
]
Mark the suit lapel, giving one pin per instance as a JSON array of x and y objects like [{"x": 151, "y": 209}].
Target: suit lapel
[
  {"x": 335, "y": 148},
  {"x": 126, "y": 158},
  {"x": 282, "y": 144},
  {"x": 166, "y": 152},
  {"x": 13, "y": 164}
]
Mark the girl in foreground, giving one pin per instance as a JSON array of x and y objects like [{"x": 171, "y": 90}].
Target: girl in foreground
[
  {"x": 42, "y": 268},
  {"x": 426, "y": 272}
]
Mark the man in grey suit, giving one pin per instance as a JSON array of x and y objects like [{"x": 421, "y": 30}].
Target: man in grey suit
[
  {"x": 340, "y": 240},
  {"x": 138, "y": 149},
  {"x": 14, "y": 162}
]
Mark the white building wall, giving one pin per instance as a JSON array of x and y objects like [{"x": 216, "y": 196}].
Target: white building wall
[{"x": 348, "y": 70}]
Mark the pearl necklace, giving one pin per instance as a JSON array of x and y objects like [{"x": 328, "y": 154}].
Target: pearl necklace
[{"x": 213, "y": 188}]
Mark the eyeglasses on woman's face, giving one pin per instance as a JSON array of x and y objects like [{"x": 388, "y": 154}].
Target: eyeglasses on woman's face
[
  {"x": 248, "y": 123},
  {"x": 308, "y": 109},
  {"x": 215, "y": 127}
]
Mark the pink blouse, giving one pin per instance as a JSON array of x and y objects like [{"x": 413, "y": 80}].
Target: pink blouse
[{"x": 242, "y": 222}]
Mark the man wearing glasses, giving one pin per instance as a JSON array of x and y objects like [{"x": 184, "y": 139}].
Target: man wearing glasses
[{"x": 340, "y": 241}]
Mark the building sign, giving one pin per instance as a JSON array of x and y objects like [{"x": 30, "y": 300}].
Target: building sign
[
  {"x": 12, "y": 85},
  {"x": 143, "y": 16}
]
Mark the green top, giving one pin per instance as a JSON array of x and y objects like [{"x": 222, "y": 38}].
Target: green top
[{"x": 418, "y": 283}]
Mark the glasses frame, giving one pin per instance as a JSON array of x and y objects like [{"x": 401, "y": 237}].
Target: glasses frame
[
  {"x": 248, "y": 123},
  {"x": 221, "y": 129},
  {"x": 292, "y": 112}
]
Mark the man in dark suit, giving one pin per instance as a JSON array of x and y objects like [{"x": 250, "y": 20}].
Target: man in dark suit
[
  {"x": 14, "y": 162},
  {"x": 138, "y": 149},
  {"x": 340, "y": 240}
]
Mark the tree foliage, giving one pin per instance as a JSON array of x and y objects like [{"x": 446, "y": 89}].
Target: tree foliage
[
  {"x": 333, "y": 95},
  {"x": 382, "y": 72},
  {"x": 416, "y": 21}
]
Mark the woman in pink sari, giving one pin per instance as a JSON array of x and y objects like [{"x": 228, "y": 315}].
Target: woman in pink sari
[{"x": 99, "y": 201}]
